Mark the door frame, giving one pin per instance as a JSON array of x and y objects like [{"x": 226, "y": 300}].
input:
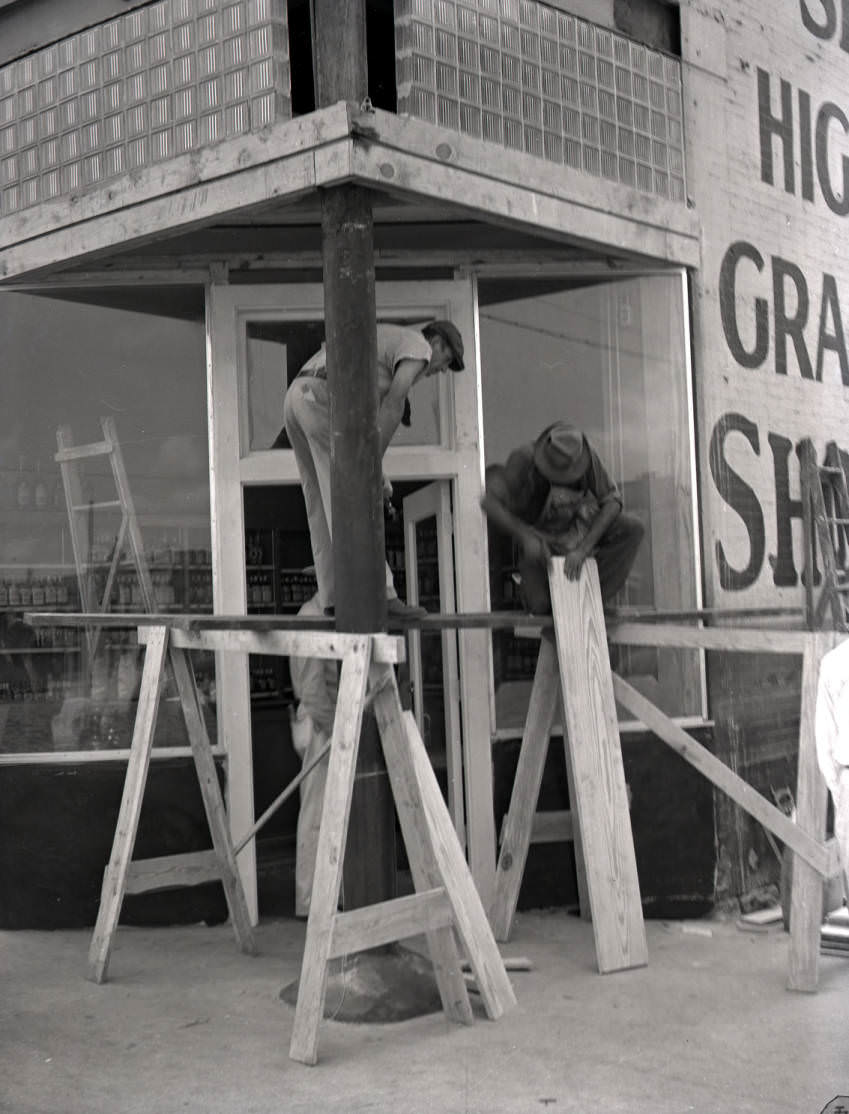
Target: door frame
[
  {"x": 458, "y": 458},
  {"x": 434, "y": 501}
]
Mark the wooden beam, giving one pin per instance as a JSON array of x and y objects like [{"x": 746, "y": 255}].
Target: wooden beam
[
  {"x": 309, "y": 644},
  {"x": 597, "y": 790},
  {"x": 192, "y": 868},
  {"x": 387, "y": 921},
  {"x": 815, "y": 853},
  {"x": 727, "y": 639}
]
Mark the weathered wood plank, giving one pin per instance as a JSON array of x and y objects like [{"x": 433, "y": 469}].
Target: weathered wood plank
[
  {"x": 469, "y": 916},
  {"x": 773, "y": 819},
  {"x": 709, "y": 638},
  {"x": 213, "y": 802},
  {"x": 598, "y": 794},
  {"x": 387, "y": 921},
  {"x": 330, "y": 853},
  {"x": 316, "y": 644},
  {"x": 115, "y": 877},
  {"x": 418, "y": 841},
  {"x": 191, "y": 868},
  {"x": 516, "y": 832}
]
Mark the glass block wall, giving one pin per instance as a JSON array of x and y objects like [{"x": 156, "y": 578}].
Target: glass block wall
[
  {"x": 528, "y": 76},
  {"x": 161, "y": 80}
]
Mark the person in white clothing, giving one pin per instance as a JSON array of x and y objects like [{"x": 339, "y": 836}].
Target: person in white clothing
[
  {"x": 404, "y": 356},
  {"x": 315, "y": 686},
  {"x": 832, "y": 742}
]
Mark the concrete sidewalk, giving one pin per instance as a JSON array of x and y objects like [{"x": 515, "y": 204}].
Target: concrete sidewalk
[{"x": 187, "y": 1024}]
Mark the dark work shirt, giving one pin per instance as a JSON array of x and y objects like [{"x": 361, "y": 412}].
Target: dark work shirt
[{"x": 529, "y": 490}]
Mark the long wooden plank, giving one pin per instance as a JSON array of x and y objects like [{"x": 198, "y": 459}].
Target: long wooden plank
[
  {"x": 598, "y": 794},
  {"x": 307, "y": 644},
  {"x": 115, "y": 877},
  {"x": 817, "y": 855},
  {"x": 516, "y": 833},
  {"x": 469, "y": 915},
  {"x": 418, "y": 841},
  {"x": 731, "y": 639},
  {"x": 811, "y": 803},
  {"x": 213, "y": 802},
  {"x": 191, "y": 868},
  {"x": 386, "y": 921},
  {"x": 330, "y": 853}
]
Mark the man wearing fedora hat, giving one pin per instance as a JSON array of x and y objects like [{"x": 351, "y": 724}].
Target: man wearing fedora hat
[
  {"x": 404, "y": 356},
  {"x": 555, "y": 498}
]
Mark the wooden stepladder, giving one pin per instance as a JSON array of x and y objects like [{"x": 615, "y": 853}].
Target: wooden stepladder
[
  {"x": 445, "y": 900},
  {"x": 69, "y": 458},
  {"x": 825, "y": 514},
  {"x": 574, "y": 666},
  {"x": 122, "y": 875}
]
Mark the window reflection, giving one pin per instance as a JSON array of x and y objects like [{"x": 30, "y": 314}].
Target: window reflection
[
  {"x": 610, "y": 357},
  {"x": 68, "y": 364}
]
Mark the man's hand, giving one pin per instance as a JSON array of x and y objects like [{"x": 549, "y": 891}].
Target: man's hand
[{"x": 573, "y": 562}]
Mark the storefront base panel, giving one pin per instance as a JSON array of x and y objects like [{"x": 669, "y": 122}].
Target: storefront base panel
[
  {"x": 56, "y": 829},
  {"x": 672, "y": 817},
  {"x": 755, "y": 702}
]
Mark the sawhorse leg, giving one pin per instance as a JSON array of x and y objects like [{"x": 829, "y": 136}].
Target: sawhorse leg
[
  {"x": 115, "y": 877},
  {"x": 445, "y": 900},
  {"x": 330, "y": 853},
  {"x": 598, "y": 793},
  {"x": 516, "y": 835},
  {"x": 192, "y": 867},
  {"x": 213, "y": 802}
]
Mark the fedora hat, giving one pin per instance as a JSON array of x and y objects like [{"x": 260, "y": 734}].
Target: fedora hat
[
  {"x": 451, "y": 335},
  {"x": 561, "y": 453}
]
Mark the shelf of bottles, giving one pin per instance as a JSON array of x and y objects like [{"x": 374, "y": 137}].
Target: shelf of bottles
[
  {"x": 515, "y": 659},
  {"x": 273, "y": 587}
]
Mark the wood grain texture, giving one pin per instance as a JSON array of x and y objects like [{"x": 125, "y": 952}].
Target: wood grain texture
[
  {"x": 517, "y": 829},
  {"x": 600, "y": 800},
  {"x": 418, "y": 841},
  {"x": 213, "y": 802},
  {"x": 469, "y": 915},
  {"x": 330, "y": 853},
  {"x": 115, "y": 877},
  {"x": 812, "y": 851}
]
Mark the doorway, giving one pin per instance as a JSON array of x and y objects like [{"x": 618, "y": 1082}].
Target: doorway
[{"x": 259, "y": 337}]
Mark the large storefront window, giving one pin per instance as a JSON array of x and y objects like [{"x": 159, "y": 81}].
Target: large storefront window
[
  {"x": 611, "y": 357},
  {"x": 66, "y": 365}
]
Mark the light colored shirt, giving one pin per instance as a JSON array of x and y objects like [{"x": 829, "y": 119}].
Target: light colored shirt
[{"x": 394, "y": 344}]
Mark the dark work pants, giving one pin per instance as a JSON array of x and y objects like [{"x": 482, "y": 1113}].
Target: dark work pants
[{"x": 614, "y": 555}]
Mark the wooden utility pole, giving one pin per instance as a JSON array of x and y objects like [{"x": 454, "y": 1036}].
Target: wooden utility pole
[{"x": 350, "y": 313}]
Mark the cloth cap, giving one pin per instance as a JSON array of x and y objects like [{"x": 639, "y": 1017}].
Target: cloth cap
[
  {"x": 561, "y": 453},
  {"x": 451, "y": 335}
]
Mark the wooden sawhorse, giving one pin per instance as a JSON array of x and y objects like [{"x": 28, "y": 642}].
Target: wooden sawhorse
[
  {"x": 445, "y": 900},
  {"x": 574, "y": 663}
]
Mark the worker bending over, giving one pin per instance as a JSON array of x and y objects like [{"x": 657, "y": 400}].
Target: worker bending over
[
  {"x": 555, "y": 498},
  {"x": 403, "y": 357}
]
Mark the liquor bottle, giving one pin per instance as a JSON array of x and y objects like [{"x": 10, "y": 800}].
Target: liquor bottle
[
  {"x": 23, "y": 491},
  {"x": 40, "y": 493}
]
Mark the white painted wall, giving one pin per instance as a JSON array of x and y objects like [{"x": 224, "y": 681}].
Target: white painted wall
[{"x": 755, "y": 414}]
